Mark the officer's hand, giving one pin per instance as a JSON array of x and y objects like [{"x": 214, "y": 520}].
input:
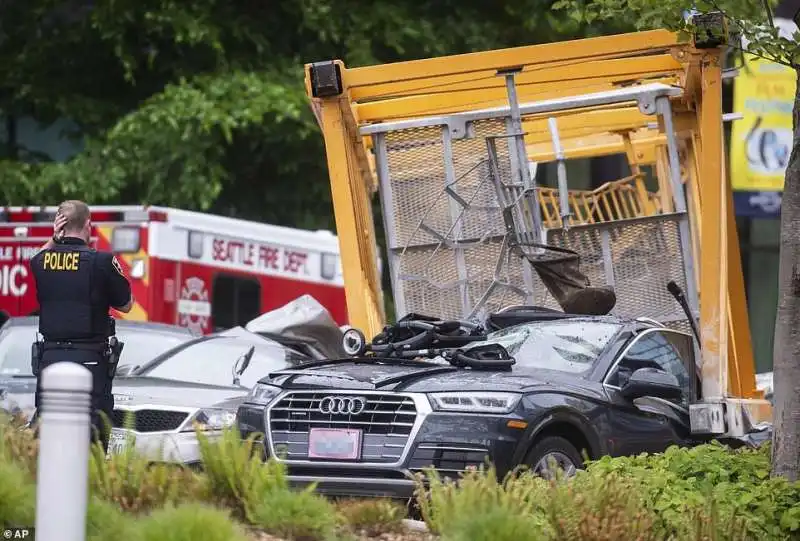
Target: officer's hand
[{"x": 58, "y": 225}]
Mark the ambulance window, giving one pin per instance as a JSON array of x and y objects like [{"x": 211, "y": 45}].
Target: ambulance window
[
  {"x": 195, "y": 244},
  {"x": 235, "y": 301}
]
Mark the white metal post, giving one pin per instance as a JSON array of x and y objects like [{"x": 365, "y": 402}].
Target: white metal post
[{"x": 62, "y": 483}]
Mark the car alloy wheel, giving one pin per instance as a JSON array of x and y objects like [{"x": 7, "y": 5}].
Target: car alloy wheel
[{"x": 542, "y": 468}]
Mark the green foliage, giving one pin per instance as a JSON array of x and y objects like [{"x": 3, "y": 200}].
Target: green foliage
[
  {"x": 707, "y": 492},
  {"x": 444, "y": 504},
  {"x": 372, "y": 517},
  {"x": 680, "y": 481},
  {"x": 133, "y": 483},
  {"x": 202, "y": 105},
  {"x": 17, "y": 495},
  {"x": 496, "y": 524},
  {"x": 745, "y": 19},
  {"x": 190, "y": 522},
  {"x": 297, "y": 515},
  {"x": 236, "y": 475},
  {"x": 106, "y": 521},
  {"x": 17, "y": 444}
]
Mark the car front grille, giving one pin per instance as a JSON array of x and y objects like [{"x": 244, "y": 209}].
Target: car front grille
[
  {"x": 386, "y": 424},
  {"x": 150, "y": 420}
]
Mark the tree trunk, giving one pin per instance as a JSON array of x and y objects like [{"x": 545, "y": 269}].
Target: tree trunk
[{"x": 786, "y": 355}]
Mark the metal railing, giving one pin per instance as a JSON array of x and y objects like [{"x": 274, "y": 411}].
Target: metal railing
[{"x": 620, "y": 199}]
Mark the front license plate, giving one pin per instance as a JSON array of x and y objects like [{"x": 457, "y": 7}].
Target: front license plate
[
  {"x": 334, "y": 443},
  {"x": 119, "y": 440}
]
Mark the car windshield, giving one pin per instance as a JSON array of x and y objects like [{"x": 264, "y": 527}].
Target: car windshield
[
  {"x": 141, "y": 345},
  {"x": 211, "y": 361},
  {"x": 565, "y": 345}
]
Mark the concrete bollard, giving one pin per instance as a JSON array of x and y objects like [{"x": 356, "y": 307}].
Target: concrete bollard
[{"x": 62, "y": 483}]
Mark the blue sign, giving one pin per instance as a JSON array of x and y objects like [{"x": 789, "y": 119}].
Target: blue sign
[{"x": 757, "y": 204}]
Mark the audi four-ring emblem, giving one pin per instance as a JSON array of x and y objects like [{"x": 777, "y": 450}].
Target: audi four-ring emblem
[{"x": 342, "y": 405}]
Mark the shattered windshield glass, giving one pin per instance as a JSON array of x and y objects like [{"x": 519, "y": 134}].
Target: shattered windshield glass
[{"x": 568, "y": 346}]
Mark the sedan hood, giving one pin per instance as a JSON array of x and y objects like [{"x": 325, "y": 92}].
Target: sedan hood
[
  {"x": 18, "y": 395},
  {"x": 137, "y": 391},
  {"x": 304, "y": 319},
  {"x": 422, "y": 377}
]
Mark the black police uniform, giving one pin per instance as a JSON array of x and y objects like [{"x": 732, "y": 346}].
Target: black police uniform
[{"x": 76, "y": 286}]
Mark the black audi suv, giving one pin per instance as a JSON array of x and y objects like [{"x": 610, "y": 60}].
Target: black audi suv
[{"x": 528, "y": 387}]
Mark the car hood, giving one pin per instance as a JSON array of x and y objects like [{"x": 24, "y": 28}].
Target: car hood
[
  {"x": 304, "y": 319},
  {"x": 424, "y": 377},
  {"x": 18, "y": 395},
  {"x": 137, "y": 391}
]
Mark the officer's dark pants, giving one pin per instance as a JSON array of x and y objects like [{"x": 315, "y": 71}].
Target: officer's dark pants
[{"x": 102, "y": 399}]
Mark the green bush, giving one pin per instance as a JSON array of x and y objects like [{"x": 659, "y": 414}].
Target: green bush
[
  {"x": 135, "y": 484},
  {"x": 299, "y": 515},
  {"x": 17, "y": 495},
  {"x": 372, "y": 517},
  {"x": 236, "y": 475},
  {"x": 706, "y": 493},
  {"x": 107, "y": 522},
  {"x": 191, "y": 522},
  {"x": 681, "y": 481},
  {"x": 18, "y": 444},
  {"x": 703, "y": 493},
  {"x": 445, "y": 504}
]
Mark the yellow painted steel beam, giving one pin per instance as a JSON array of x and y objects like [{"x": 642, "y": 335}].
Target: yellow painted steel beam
[
  {"x": 471, "y": 100},
  {"x": 591, "y": 147},
  {"x": 350, "y": 204},
  {"x": 608, "y": 120},
  {"x": 612, "y": 70},
  {"x": 713, "y": 262},
  {"x": 582, "y": 123},
  {"x": 741, "y": 366},
  {"x": 575, "y": 50}
]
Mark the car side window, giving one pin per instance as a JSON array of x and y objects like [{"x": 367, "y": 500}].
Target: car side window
[{"x": 654, "y": 350}]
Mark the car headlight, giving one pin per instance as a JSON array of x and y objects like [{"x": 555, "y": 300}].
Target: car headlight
[
  {"x": 211, "y": 419},
  {"x": 262, "y": 394},
  {"x": 474, "y": 402}
]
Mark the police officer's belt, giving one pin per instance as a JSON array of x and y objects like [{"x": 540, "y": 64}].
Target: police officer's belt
[{"x": 99, "y": 347}]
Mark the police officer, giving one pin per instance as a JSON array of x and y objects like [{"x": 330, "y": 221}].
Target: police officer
[{"x": 75, "y": 287}]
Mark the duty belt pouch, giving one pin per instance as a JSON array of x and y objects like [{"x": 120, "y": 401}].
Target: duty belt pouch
[
  {"x": 113, "y": 353},
  {"x": 36, "y": 357}
]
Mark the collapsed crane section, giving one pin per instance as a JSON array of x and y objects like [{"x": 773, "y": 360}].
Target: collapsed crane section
[
  {"x": 466, "y": 224},
  {"x": 447, "y": 143}
]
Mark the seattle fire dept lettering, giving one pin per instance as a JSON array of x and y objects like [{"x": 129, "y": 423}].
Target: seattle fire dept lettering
[
  {"x": 17, "y": 253},
  {"x": 294, "y": 261},
  {"x": 259, "y": 256},
  {"x": 61, "y": 261},
  {"x": 12, "y": 280}
]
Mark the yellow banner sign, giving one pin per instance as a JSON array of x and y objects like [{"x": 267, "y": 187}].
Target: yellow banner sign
[{"x": 762, "y": 141}]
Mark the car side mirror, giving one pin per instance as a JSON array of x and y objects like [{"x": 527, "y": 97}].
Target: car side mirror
[
  {"x": 652, "y": 382},
  {"x": 241, "y": 364}
]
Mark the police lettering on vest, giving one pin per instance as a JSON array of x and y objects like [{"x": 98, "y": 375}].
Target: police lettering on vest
[
  {"x": 71, "y": 305},
  {"x": 61, "y": 261}
]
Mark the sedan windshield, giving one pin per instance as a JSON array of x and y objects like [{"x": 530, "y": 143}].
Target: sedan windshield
[
  {"x": 141, "y": 345},
  {"x": 211, "y": 361},
  {"x": 566, "y": 345}
]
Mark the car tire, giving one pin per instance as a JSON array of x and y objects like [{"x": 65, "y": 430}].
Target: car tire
[{"x": 556, "y": 448}]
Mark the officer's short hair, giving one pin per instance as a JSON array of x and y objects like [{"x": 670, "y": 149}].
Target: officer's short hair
[{"x": 76, "y": 212}]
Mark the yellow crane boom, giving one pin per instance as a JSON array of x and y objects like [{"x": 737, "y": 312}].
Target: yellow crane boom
[{"x": 414, "y": 131}]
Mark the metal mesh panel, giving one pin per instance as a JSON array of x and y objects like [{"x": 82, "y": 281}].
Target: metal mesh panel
[
  {"x": 644, "y": 255},
  {"x": 449, "y": 244}
]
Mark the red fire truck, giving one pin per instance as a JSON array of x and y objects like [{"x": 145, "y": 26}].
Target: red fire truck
[{"x": 193, "y": 269}]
